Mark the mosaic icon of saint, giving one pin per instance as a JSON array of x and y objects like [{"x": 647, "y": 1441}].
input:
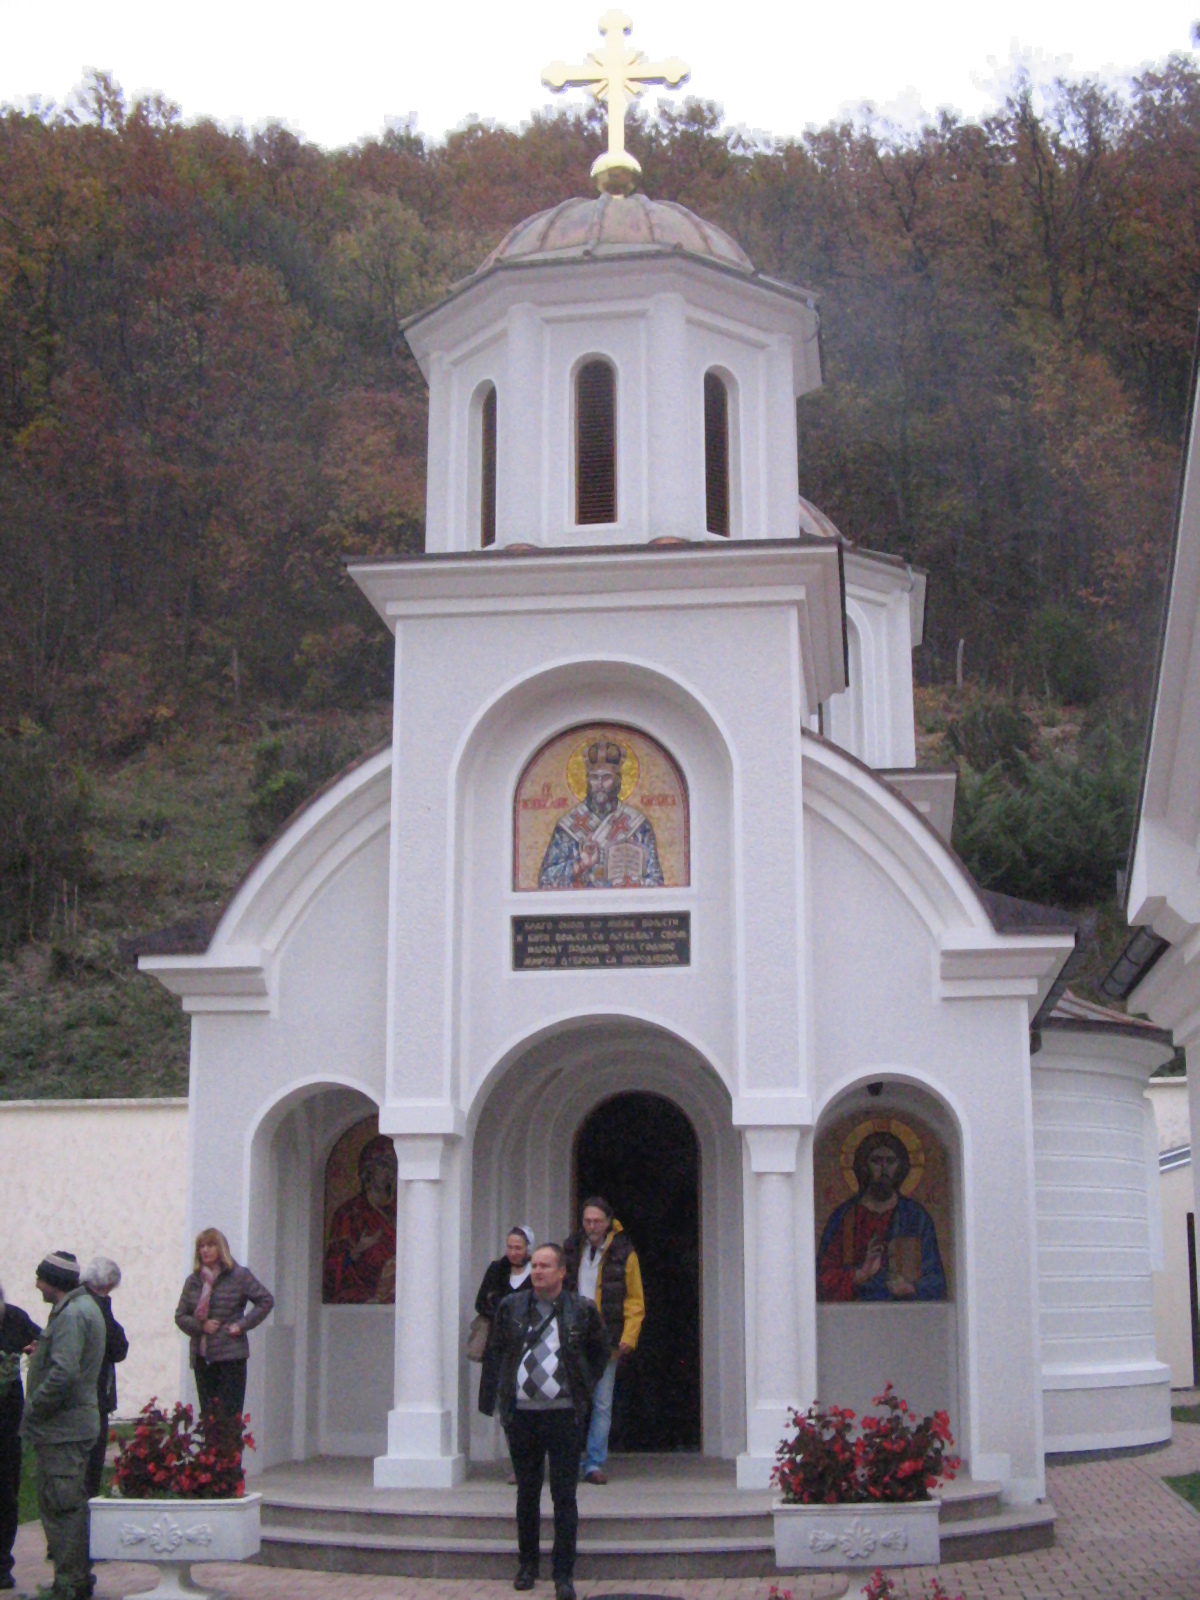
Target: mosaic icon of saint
[
  {"x": 604, "y": 842},
  {"x": 360, "y": 1253},
  {"x": 880, "y": 1244}
]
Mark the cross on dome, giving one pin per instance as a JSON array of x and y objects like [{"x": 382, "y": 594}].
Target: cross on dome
[{"x": 615, "y": 75}]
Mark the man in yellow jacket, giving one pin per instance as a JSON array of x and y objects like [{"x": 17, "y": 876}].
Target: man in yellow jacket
[{"x": 602, "y": 1265}]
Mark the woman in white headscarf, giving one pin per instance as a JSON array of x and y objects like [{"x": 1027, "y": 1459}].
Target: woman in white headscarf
[{"x": 504, "y": 1276}]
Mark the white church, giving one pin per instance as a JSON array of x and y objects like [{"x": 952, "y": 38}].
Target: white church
[{"x": 648, "y": 895}]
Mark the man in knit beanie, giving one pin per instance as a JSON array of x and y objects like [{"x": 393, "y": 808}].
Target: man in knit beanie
[{"x": 62, "y": 1419}]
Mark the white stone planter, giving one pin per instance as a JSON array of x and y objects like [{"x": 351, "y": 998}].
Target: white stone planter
[
  {"x": 171, "y": 1534},
  {"x": 863, "y": 1536}
]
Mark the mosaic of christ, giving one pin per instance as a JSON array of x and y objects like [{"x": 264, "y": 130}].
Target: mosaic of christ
[
  {"x": 881, "y": 1243},
  {"x": 601, "y": 807}
]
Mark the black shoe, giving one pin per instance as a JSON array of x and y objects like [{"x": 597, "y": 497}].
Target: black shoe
[
  {"x": 564, "y": 1590},
  {"x": 526, "y": 1575},
  {"x": 7, "y": 1581}
]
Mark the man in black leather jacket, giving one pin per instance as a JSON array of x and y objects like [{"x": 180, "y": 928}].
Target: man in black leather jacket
[
  {"x": 554, "y": 1348},
  {"x": 17, "y": 1333}
]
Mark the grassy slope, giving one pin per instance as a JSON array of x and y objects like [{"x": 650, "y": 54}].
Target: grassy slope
[{"x": 170, "y": 842}]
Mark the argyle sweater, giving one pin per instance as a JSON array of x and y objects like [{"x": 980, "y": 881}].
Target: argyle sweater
[{"x": 542, "y": 1383}]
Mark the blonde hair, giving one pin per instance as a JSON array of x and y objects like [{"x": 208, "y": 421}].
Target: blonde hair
[{"x": 214, "y": 1236}]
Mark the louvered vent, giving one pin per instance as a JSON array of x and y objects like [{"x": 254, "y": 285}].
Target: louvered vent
[
  {"x": 716, "y": 454},
  {"x": 595, "y": 443}
]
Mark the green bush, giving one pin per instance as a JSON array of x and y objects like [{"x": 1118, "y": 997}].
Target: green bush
[
  {"x": 288, "y": 769},
  {"x": 45, "y": 809},
  {"x": 1059, "y": 832},
  {"x": 1062, "y": 652},
  {"x": 990, "y": 731}
]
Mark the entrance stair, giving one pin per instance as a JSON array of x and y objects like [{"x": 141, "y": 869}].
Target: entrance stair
[{"x": 678, "y": 1516}]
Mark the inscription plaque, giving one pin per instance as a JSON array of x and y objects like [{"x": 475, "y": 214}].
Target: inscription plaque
[{"x": 640, "y": 939}]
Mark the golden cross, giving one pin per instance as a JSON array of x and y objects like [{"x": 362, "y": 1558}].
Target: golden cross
[{"x": 615, "y": 75}]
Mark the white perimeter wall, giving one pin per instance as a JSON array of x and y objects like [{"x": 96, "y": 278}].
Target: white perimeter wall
[
  {"x": 1172, "y": 1313},
  {"x": 102, "y": 1177}
]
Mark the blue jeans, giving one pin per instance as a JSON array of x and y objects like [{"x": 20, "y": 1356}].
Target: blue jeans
[{"x": 596, "y": 1452}]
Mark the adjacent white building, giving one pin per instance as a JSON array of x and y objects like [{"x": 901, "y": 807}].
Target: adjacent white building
[
  {"x": 620, "y": 575},
  {"x": 1159, "y": 973}
]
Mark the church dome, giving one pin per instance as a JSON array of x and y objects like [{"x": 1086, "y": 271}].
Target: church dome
[{"x": 615, "y": 225}]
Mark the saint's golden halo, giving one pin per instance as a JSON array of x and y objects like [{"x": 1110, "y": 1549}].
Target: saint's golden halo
[
  {"x": 911, "y": 1141},
  {"x": 577, "y": 764}
]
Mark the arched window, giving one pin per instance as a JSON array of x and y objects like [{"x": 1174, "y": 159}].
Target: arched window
[
  {"x": 487, "y": 467},
  {"x": 595, "y": 443},
  {"x": 716, "y": 454}
]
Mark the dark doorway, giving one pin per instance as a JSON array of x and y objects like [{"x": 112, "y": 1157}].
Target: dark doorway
[{"x": 640, "y": 1152}]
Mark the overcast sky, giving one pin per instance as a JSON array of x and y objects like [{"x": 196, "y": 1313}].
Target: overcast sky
[{"x": 337, "y": 73}]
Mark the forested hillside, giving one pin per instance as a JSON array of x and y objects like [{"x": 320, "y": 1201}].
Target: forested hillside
[{"x": 206, "y": 403}]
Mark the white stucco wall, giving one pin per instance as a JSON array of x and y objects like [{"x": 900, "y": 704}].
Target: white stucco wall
[
  {"x": 102, "y": 1177},
  {"x": 962, "y": 1066}
]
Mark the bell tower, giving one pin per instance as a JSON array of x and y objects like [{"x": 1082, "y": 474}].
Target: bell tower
[{"x": 616, "y": 371}]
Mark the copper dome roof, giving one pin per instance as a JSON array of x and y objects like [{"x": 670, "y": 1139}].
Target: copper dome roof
[{"x": 614, "y": 225}]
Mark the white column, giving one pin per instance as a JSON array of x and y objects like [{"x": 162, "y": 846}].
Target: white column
[
  {"x": 779, "y": 429},
  {"x": 419, "y": 1330},
  {"x": 675, "y": 466},
  {"x": 774, "y": 1380},
  {"x": 420, "y": 1445},
  {"x": 520, "y": 416},
  {"x": 440, "y": 533}
]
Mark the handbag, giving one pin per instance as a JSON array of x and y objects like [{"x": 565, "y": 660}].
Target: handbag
[{"x": 477, "y": 1337}]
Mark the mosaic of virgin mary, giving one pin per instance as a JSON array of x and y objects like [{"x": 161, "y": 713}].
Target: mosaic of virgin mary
[
  {"x": 880, "y": 1244},
  {"x": 360, "y": 1236}
]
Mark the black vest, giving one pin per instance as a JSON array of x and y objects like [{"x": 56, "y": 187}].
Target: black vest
[{"x": 611, "y": 1282}]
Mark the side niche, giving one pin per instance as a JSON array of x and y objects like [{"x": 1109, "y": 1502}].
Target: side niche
[
  {"x": 360, "y": 1218},
  {"x": 601, "y": 806}
]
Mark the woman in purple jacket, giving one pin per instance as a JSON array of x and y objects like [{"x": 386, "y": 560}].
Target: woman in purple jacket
[{"x": 212, "y": 1312}]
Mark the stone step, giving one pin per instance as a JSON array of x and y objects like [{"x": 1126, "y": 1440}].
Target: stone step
[
  {"x": 728, "y": 1515},
  {"x": 494, "y": 1558},
  {"x": 1009, "y": 1532},
  {"x": 967, "y": 1500},
  {"x": 613, "y": 1525},
  {"x": 660, "y": 1542},
  {"x": 659, "y": 1518}
]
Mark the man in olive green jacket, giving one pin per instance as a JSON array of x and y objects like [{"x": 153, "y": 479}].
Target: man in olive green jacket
[{"x": 62, "y": 1418}]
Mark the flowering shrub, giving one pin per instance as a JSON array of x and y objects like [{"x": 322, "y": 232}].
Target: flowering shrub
[
  {"x": 895, "y": 1456},
  {"x": 880, "y": 1587},
  {"x": 167, "y": 1456}
]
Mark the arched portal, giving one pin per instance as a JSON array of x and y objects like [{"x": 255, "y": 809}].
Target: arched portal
[
  {"x": 542, "y": 1129},
  {"x": 640, "y": 1152}
]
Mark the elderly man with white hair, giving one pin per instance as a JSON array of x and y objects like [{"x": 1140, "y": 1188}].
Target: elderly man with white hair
[
  {"x": 17, "y": 1332},
  {"x": 100, "y": 1277}
]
